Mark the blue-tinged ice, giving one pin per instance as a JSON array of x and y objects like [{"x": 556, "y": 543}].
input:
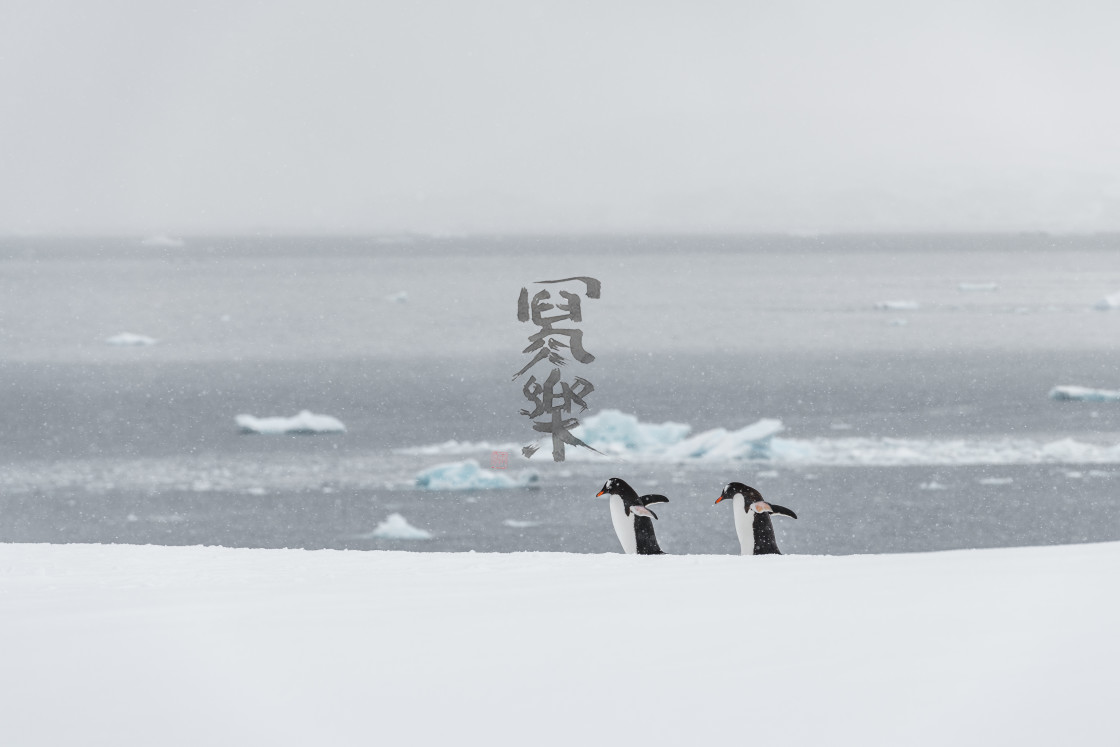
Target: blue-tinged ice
[
  {"x": 1084, "y": 394},
  {"x": 612, "y": 431},
  {"x": 469, "y": 475},
  {"x": 619, "y": 434}
]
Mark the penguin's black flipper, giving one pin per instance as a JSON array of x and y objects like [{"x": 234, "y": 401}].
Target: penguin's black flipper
[
  {"x": 782, "y": 510},
  {"x": 646, "y": 539},
  {"x": 653, "y": 498}
]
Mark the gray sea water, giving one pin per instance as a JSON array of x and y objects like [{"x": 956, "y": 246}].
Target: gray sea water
[{"x": 103, "y": 443}]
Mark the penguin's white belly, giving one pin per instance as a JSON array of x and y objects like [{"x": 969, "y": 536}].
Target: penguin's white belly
[
  {"x": 744, "y": 526},
  {"x": 624, "y": 526}
]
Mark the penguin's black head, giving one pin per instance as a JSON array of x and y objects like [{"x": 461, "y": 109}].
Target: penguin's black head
[
  {"x": 616, "y": 486},
  {"x": 736, "y": 488}
]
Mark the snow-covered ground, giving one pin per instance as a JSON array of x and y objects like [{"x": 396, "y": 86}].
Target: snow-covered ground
[{"x": 141, "y": 645}]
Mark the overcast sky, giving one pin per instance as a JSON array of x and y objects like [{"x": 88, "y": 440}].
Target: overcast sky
[{"x": 526, "y": 116}]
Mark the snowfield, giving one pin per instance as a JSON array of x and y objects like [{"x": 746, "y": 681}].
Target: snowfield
[{"x": 143, "y": 645}]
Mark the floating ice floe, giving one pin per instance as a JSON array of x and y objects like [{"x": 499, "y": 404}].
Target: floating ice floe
[
  {"x": 977, "y": 287},
  {"x": 1084, "y": 394},
  {"x": 401, "y": 297},
  {"x": 453, "y": 447},
  {"x": 161, "y": 239},
  {"x": 306, "y": 423},
  {"x": 616, "y": 433},
  {"x": 397, "y": 527},
  {"x": 932, "y": 485},
  {"x": 128, "y": 338},
  {"x": 996, "y": 481},
  {"x": 897, "y": 305},
  {"x": 469, "y": 475},
  {"x": 1109, "y": 303},
  {"x": 519, "y": 524}
]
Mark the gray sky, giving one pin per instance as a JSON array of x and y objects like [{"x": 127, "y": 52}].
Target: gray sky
[{"x": 238, "y": 116}]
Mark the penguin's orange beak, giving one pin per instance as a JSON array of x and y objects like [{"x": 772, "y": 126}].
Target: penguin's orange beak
[
  {"x": 599, "y": 494},
  {"x": 719, "y": 499}
]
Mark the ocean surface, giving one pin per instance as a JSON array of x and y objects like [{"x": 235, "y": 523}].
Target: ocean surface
[{"x": 924, "y": 425}]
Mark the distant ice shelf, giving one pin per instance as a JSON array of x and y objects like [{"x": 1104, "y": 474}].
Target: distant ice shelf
[
  {"x": 305, "y": 423},
  {"x": 129, "y": 338},
  {"x": 469, "y": 475},
  {"x": 1084, "y": 394},
  {"x": 977, "y": 287}
]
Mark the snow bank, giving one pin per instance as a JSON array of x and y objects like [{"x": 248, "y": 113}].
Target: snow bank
[
  {"x": 1109, "y": 303},
  {"x": 897, "y": 305},
  {"x": 290, "y": 647},
  {"x": 304, "y": 424},
  {"x": 1084, "y": 394},
  {"x": 397, "y": 527},
  {"x": 128, "y": 338},
  {"x": 468, "y": 475}
]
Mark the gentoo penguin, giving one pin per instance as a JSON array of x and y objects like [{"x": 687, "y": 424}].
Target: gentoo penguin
[
  {"x": 633, "y": 521},
  {"x": 752, "y": 519}
]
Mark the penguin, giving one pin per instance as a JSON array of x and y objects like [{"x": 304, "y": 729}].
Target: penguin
[
  {"x": 633, "y": 521},
  {"x": 752, "y": 519}
]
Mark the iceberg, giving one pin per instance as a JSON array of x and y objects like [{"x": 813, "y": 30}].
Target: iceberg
[
  {"x": 1109, "y": 303},
  {"x": 896, "y": 305},
  {"x": 304, "y": 424},
  {"x": 397, "y": 527},
  {"x": 977, "y": 287},
  {"x": 469, "y": 475},
  {"x": 161, "y": 239},
  {"x": 128, "y": 338},
  {"x": 1084, "y": 394},
  {"x": 719, "y": 444},
  {"x": 613, "y": 431}
]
